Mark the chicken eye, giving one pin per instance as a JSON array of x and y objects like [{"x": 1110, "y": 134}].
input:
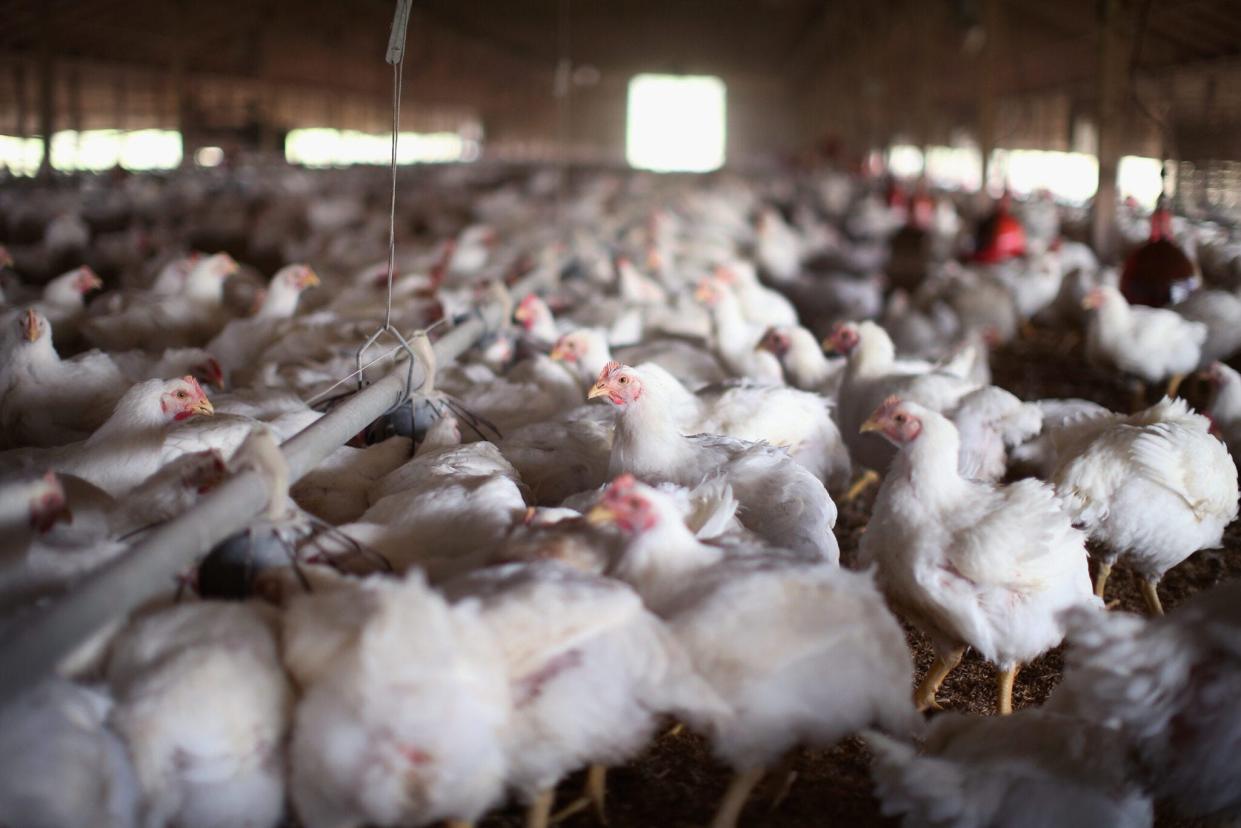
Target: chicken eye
[
  {"x": 181, "y": 395},
  {"x": 900, "y": 418},
  {"x": 623, "y": 380}
]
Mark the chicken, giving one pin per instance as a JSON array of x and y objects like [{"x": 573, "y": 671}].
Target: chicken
[
  {"x": 48, "y": 401},
  {"x": 29, "y": 506},
  {"x": 1154, "y": 488},
  {"x": 589, "y": 670},
  {"x": 404, "y": 704},
  {"x": 781, "y": 501},
  {"x": 1225, "y": 406},
  {"x": 174, "y": 362},
  {"x": 586, "y": 351},
  {"x": 1029, "y": 770},
  {"x": 760, "y": 305},
  {"x": 1220, "y": 311},
  {"x": 129, "y": 447},
  {"x": 153, "y": 322},
  {"x": 872, "y": 374},
  {"x": 1151, "y": 344},
  {"x": 798, "y": 650},
  {"x": 336, "y": 489},
  {"x": 1039, "y": 456},
  {"x": 990, "y": 421},
  {"x": 241, "y": 340},
  {"x": 969, "y": 563},
  {"x": 63, "y": 303},
  {"x": 803, "y": 362},
  {"x": 61, "y": 765},
  {"x": 1168, "y": 688},
  {"x": 736, "y": 338},
  {"x": 203, "y": 706}
]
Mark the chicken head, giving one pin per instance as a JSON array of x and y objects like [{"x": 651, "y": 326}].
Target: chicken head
[
  {"x": 896, "y": 420},
  {"x": 569, "y": 348},
  {"x": 32, "y": 325},
  {"x": 626, "y": 506},
  {"x": 530, "y": 310},
  {"x": 708, "y": 291},
  {"x": 85, "y": 280},
  {"x": 619, "y": 383},
  {"x": 183, "y": 398},
  {"x": 776, "y": 341},
  {"x": 843, "y": 339},
  {"x": 47, "y": 503}
]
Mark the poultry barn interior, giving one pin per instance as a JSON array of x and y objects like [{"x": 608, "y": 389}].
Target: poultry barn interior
[{"x": 555, "y": 412}]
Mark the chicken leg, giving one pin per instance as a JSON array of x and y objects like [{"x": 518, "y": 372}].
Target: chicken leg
[
  {"x": 1174, "y": 384},
  {"x": 1150, "y": 591},
  {"x": 924, "y": 696},
  {"x": 868, "y": 479},
  {"x": 735, "y": 798},
  {"x": 1100, "y": 578},
  {"x": 1006, "y": 680},
  {"x": 539, "y": 811},
  {"x": 594, "y": 792}
]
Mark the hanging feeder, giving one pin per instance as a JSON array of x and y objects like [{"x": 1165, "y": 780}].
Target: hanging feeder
[
  {"x": 1158, "y": 272},
  {"x": 1000, "y": 236}
]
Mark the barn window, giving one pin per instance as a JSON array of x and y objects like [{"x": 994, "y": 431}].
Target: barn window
[{"x": 676, "y": 123}]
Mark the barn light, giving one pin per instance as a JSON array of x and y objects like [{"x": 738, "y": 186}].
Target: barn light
[{"x": 676, "y": 123}]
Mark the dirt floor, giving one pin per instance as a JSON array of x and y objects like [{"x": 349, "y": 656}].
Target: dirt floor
[{"x": 677, "y": 784}]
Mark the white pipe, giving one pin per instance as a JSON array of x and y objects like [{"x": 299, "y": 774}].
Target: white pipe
[{"x": 35, "y": 642}]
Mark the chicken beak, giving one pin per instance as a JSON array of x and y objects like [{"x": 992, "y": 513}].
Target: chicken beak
[
  {"x": 559, "y": 353},
  {"x": 309, "y": 279},
  {"x": 598, "y": 390},
  {"x": 873, "y": 424},
  {"x": 203, "y": 407},
  {"x": 32, "y": 326},
  {"x": 601, "y": 515},
  {"x": 828, "y": 346}
]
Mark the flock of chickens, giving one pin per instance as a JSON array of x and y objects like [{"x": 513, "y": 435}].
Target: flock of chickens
[{"x": 614, "y": 515}]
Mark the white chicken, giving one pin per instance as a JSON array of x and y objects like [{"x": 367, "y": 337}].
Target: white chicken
[
  {"x": 1029, "y": 770},
  {"x": 735, "y": 337},
  {"x": 1224, "y": 408},
  {"x": 60, "y": 763},
  {"x": 990, "y": 421},
  {"x": 969, "y": 563},
  {"x": 1220, "y": 311},
  {"x": 203, "y": 706},
  {"x": 241, "y": 340},
  {"x": 129, "y": 447},
  {"x": 153, "y": 322},
  {"x": 63, "y": 302},
  {"x": 799, "y": 651},
  {"x": 1153, "y": 487},
  {"x": 781, "y": 501},
  {"x": 30, "y": 505},
  {"x": 804, "y": 364},
  {"x": 1168, "y": 687},
  {"x": 1152, "y": 344},
  {"x": 403, "y": 706},
  {"x": 46, "y": 400},
  {"x": 586, "y": 350}
]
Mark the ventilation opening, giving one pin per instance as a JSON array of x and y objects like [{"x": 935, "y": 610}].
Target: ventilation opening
[{"x": 676, "y": 123}]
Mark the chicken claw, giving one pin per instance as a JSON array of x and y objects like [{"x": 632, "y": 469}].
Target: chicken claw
[
  {"x": 924, "y": 696},
  {"x": 869, "y": 478},
  {"x": 1150, "y": 591},
  {"x": 1006, "y": 679}
]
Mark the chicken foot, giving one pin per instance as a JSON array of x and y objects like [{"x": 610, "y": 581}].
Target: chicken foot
[
  {"x": 539, "y": 811},
  {"x": 1006, "y": 678},
  {"x": 1100, "y": 578},
  {"x": 735, "y": 798},
  {"x": 924, "y": 696},
  {"x": 1150, "y": 591},
  {"x": 868, "y": 479},
  {"x": 594, "y": 792}
]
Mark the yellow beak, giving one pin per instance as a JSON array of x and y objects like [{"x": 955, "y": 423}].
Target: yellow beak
[
  {"x": 600, "y": 515},
  {"x": 310, "y": 279},
  {"x": 599, "y": 390},
  {"x": 558, "y": 352},
  {"x": 203, "y": 407},
  {"x": 32, "y": 326},
  {"x": 873, "y": 424}
]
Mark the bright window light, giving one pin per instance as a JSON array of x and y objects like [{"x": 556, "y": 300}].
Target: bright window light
[
  {"x": 320, "y": 147},
  {"x": 103, "y": 149},
  {"x": 1139, "y": 177},
  {"x": 954, "y": 167},
  {"x": 20, "y": 156},
  {"x": 904, "y": 160},
  {"x": 676, "y": 123},
  {"x": 1068, "y": 176}
]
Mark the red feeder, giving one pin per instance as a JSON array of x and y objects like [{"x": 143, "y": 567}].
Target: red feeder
[
  {"x": 1158, "y": 273},
  {"x": 1000, "y": 236}
]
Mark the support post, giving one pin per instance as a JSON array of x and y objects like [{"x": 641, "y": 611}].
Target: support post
[
  {"x": 987, "y": 100},
  {"x": 1114, "y": 43}
]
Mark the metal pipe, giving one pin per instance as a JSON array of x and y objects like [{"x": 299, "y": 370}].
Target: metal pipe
[{"x": 35, "y": 643}]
